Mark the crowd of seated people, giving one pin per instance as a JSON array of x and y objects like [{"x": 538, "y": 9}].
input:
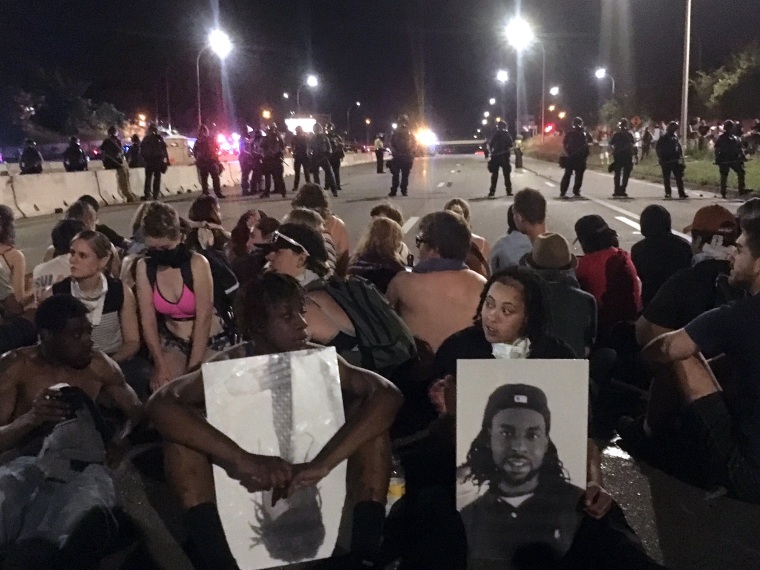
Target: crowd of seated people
[{"x": 110, "y": 334}]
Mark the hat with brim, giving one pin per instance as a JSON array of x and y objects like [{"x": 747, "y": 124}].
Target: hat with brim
[
  {"x": 550, "y": 251},
  {"x": 713, "y": 219}
]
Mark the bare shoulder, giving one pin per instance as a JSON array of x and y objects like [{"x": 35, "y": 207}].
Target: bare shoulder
[
  {"x": 475, "y": 277},
  {"x": 198, "y": 261},
  {"x": 105, "y": 368},
  {"x": 402, "y": 279},
  {"x": 12, "y": 364}
]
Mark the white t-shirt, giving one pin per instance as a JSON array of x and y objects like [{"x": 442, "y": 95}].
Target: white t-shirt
[{"x": 47, "y": 274}]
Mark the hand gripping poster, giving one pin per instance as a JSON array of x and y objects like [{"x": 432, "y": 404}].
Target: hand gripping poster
[
  {"x": 286, "y": 405},
  {"x": 521, "y": 458}
]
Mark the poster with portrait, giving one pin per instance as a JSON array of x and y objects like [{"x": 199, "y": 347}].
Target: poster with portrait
[
  {"x": 287, "y": 405},
  {"x": 521, "y": 456}
]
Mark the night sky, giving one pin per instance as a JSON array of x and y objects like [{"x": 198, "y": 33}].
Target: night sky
[{"x": 392, "y": 55}]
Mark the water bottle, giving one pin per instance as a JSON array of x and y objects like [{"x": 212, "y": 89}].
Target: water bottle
[{"x": 397, "y": 486}]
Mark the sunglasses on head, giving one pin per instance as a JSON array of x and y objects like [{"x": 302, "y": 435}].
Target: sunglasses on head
[
  {"x": 419, "y": 240},
  {"x": 277, "y": 235}
]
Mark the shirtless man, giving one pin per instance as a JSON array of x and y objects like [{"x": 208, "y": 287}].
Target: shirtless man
[
  {"x": 530, "y": 213},
  {"x": 273, "y": 313},
  {"x": 31, "y": 411},
  {"x": 440, "y": 296}
]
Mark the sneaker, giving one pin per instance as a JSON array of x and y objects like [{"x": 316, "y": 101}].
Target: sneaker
[
  {"x": 264, "y": 195},
  {"x": 335, "y": 193},
  {"x": 563, "y": 197},
  {"x": 624, "y": 195},
  {"x": 577, "y": 195},
  {"x": 683, "y": 196},
  {"x": 668, "y": 197},
  {"x": 404, "y": 193},
  {"x": 491, "y": 195},
  {"x": 392, "y": 194}
]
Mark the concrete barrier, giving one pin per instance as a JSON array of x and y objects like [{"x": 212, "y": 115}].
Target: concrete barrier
[
  {"x": 114, "y": 186},
  {"x": 180, "y": 180},
  {"x": 7, "y": 197},
  {"x": 43, "y": 194}
]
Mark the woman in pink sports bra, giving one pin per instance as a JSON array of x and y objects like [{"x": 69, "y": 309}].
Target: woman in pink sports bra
[{"x": 178, "y": 323}]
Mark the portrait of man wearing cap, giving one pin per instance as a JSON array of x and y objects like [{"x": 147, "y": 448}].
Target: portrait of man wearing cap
[{"x": 530, "y": 507}]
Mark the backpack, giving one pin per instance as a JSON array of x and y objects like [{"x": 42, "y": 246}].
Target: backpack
[
  {"x": 385, "y": 342},
  {"x": 225, "y": 286}
]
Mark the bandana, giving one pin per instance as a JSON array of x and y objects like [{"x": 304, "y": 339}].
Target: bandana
[
  {"x": 93, "y": 300},
  {"x": 518, "y": 350}
]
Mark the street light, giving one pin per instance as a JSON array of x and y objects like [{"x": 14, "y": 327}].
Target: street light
[
  {"x": 484, "y": 122},
  {"x": 221, "y": 45},
  {"x": 266, "y": 114},
  {"x": 551, "y": 108},
  {"x": 502, "y": 76},
  {"x": 601, "y": 73},
  {"x": 348, "y": 117},
  {"x": 394, "y": 126},
  {"x": 554, "y": 91},
  {"x": 286, "y": 95},
  {"x": 492, "y": 101},
  {"x": 685, "y": 85},
  {"x": 520, "y": 36},
  {"x": 486, "y": 114},
  {"x": 562, "y": 114},
  {"x": 367, "y": 122},
  {"x": 311, "y": 82}
]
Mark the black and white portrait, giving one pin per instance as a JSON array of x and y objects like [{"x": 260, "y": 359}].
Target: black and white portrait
[
  {"x": 521, "y": 455},
  {"x": 286, "y": 405}
]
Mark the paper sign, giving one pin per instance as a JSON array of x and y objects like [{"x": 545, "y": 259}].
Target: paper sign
[
  {"x": 287, "y": 405},
  {"x": 521, "y": 456}
]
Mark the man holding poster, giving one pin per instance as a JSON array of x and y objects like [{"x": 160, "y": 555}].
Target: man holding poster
[{"x": 273, "y": 315}]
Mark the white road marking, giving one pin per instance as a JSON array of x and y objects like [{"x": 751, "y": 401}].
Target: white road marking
[
  {"x": 453, "y": 171},
  {"x": 628, "y": 222},
  {"x": 620, "y": 210},
  {"x": 409, "y": 224},
  {"x": 550, "y": 185},
  {"x": 441, "y": 184}
]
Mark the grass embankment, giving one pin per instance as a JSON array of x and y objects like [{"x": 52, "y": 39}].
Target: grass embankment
[{"x": 700, "y": 168}]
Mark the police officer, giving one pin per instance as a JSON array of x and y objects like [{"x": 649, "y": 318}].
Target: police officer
[
  {"x": 206, "y": 153},
  {"x": 74, "y": 158},
  {"x": 111, "y": 151},
  {"x": 402, "y": 149},
  {"x": 498, "y": 148},
  {"x": 320, "y": 151},
  {"x": 729, "y": 155},
  {"x": 337, "y": 154},
  {"x": 380, "y": 152},
  {"x": 156, "y": 156},
  {"x": 31, "y": 159},
  {"x": 273, "y": 150},
  {"x": 134, "y": 158},
  {"x": 300, "y": 146},
  {"x": 623, "y": 148},
  {"x": 576, "y": 149},
  {"x": 670, "y": 155}
]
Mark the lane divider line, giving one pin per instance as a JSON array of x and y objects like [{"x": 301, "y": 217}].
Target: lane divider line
[
  {"x": 409, "y": 224},
  {"x": 628, "y": 222},
  {"x": 550, "y": 185},
  {"x": 441, "y": 184}
]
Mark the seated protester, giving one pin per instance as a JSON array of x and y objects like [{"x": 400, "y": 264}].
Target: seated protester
[
  {"x": 511, "y": 322},
  {"x": 248, "y": 220},
  {"x": 136, "y": 248},
  {"x": 693, "y": 290},
  {"x": 660, "y": 254},
  {"x": 440, "y": 295},
  {"x": 607, "y": 272},
  {"x": 377, "y": 255},
  {"x": 510, "y": 249},
  {"x": 246, "y": 259},
  {"x": 719, "y": 425},
  {"x": 48, "y": 273},
  {"x": 16, "y": 330},
  {"x": 749, "y": 209},
  {"x": 111, "y": 307},
  {"x": 115, "y": 238},
  {"x": 273, "y": 308},
  {"x": 480, "y": 249},
  {"x": 572, "y": 310},
  {"x": 311, "y": 196},
  {"x": 88, "y": 216},
  {"x": 13, "y": 293},
  {"x": 392, "y": 212},
  {"x": 206, "y": 230},
  {"x": 175, "y": 295},
  {"x": 57, "y": 492},
  {"x": 314, "y": 220}
]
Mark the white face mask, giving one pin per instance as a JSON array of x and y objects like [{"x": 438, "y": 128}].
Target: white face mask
[{"x": 520, "y": 349}]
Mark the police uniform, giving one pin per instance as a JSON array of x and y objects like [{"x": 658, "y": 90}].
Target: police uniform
[{"x": 729, "y": 155}]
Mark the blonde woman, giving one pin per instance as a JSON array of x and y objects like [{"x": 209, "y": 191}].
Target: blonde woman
[{"x": 377, "y": 256}]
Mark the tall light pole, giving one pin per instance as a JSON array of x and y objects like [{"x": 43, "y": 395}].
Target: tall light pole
[
  {"x": 502, "y": 76},
  {"x": 348, "y": 118},
  {"x": 220, "y": 44},
  {"x": 601, "y": 73},
  {"x": 368, "y": 122},
  {"x": 311, "y": 82},
  {"x": 685, "y": 86},
  {"x": 520, "y": 36}
]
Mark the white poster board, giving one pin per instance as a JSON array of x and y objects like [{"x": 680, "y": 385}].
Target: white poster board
[
  {"x": 509, "y": 487},
  {"x": 287, "y": 405}
]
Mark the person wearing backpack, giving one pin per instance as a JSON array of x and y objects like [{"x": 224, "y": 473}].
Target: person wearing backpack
[
  {"x": 348, "y": 314},
  {"x": 402, "y": 149},
  {"x": 175, "y": 295},
  {"x": 156, "y": 157}
]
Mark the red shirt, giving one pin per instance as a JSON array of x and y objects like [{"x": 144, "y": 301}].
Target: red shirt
[{"x": 610, "y": 276}]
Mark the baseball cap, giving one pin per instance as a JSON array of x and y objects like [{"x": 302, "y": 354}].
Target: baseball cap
[
  {"x": 713, "y": 219},
  {"x": 511, "y": 396}
]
